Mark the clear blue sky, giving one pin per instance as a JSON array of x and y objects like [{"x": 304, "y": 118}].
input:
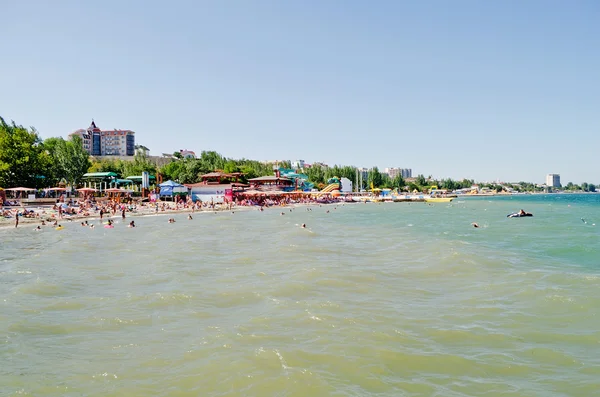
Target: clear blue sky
[{"x": 489, "y": 90}]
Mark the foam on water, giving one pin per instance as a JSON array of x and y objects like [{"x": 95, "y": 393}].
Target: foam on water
[{"x": 387, "y": 300}]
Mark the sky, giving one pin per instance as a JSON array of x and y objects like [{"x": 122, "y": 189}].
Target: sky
[{"x": 490, "y": 90}]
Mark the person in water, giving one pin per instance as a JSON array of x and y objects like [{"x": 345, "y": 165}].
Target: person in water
[
  {"x": 190, "y": 217},
  {"x": 110, "y": 222},
  {"x": 521, "y": 212},
  {"x": 131, "y": 224}
]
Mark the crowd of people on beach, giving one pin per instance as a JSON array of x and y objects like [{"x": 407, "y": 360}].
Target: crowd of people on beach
[{"x": 88, "y": 206}]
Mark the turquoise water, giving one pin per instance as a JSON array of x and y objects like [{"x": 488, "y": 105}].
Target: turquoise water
[{"x": 371, "y": 299}]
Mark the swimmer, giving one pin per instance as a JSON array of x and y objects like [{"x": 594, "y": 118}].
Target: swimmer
[
  {"x": 171, "y": 220},
  {"x": 37, "y": 229},
  {"x": 282, "y": 213},
  {"x": 131, "y": 224},
  {"x": 91, "y": 226},
  {"x": 43, "y": 223},
  {"x": 475, "y": 224},
  {"x": 304, "y": 226},
  {"x": 82, "y": 224},
  {"x": 190, "y": 217},
  {"x": 110, "y": 223}
]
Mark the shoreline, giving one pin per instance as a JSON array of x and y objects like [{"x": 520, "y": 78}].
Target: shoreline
[{"x": 8, "y": 223}]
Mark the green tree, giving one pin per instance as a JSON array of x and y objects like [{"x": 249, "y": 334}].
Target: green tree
[
  {"x": 172, "y": 170},
  {"x": 399, "y": 182},
  {"x": 230, "y": 167},
  {"x": 421, "y": 181},
  {"x": 316, "y": 174},
  {"x": 71, "y": 159},
  {"x": 140, "y": 163},
  {"x": 22, "y": 159},
  {"x": 375, "y": 178}
]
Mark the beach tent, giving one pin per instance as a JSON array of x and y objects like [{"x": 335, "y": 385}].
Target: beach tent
[{"x": 166, "y": 188}]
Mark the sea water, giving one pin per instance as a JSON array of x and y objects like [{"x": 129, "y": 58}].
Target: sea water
[{"x": 370, "y": 299}]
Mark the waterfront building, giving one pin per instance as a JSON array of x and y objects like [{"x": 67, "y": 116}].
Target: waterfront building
[
  {"x": 99, "y": 142},
  {"x": 553, "y": 180}
]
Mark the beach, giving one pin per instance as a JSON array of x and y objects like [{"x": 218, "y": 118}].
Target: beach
[{"x": 371, "y": 299}]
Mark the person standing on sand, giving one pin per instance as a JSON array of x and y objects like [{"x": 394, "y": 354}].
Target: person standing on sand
[
  {"x": 101, "y": 213},
  {"x": 16, "y": 219}
]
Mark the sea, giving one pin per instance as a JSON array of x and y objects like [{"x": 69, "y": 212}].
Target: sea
[{"x": 375, "y": 299}]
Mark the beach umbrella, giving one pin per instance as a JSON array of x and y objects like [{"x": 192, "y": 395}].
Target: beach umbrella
[
  {"x": 87, "y": 189},
  {"x": 58, "y": 189},
  {"x": 21, "y": 189}
]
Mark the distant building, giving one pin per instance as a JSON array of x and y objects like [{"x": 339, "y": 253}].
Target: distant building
[
  {"x": 394, "y": 172},
  {"x": 553, "y": 180},
  {"x": 99, "y": 142},
  {"x": 298, "y": 164},
  {"x": 187, "y": 154},
  {"x": 142, "y": 150}
]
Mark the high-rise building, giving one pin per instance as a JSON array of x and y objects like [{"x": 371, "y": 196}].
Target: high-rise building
[
  {"x": 99, "y": 142},
  {"x": 394, "y": 172},
  {"x": 553, "y": 180}
]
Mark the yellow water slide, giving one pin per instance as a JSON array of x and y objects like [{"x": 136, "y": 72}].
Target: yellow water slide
[{"x": 331, "y": 187}]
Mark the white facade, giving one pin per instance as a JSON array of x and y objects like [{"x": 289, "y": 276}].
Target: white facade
[
  {"x": 553, "y": 180},
  {"x": 298, "y": 164},
  {"x": 346, "y": 185}
]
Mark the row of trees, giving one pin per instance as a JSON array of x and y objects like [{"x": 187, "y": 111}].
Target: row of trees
[{"x": 26, "y": 160}]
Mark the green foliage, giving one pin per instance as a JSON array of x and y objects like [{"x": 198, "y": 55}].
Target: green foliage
[
  {"x": 398, "y": 182},
  {"x": 375, "y": 178},
  {"x": 139, "y": 164},
  {"x": 70, "y": 159},
  {"x": 421, "y": 181},
  {"x": 23, "y": 161}
]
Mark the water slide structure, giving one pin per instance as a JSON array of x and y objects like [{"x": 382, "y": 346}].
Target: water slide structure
[{"x": 334, "y": 184}]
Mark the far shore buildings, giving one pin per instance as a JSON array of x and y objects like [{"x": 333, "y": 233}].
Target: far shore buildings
[
  {"x": 99, "y": 142},
  {"x": 394, "y": 172},
  {"x": 553, "y": 180}
]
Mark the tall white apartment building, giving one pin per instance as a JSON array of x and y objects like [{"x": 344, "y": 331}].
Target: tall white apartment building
[{"x": 553, "y": 180}]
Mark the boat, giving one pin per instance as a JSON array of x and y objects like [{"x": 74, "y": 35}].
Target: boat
[
  {"x": 439, "y": 196},
  {"x": 438, "y": 199}
]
